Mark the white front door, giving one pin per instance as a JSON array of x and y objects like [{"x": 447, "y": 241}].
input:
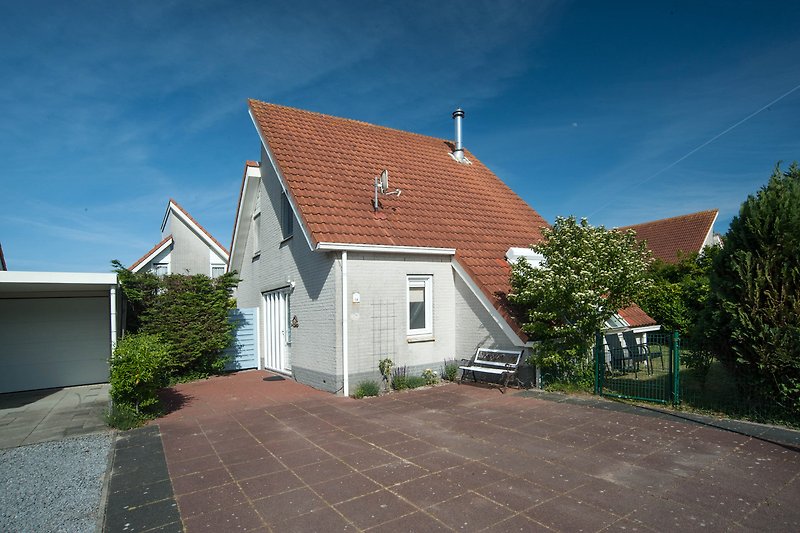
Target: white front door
[{"x": 276, "y": 322}]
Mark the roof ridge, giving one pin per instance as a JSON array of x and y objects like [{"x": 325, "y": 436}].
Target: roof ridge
[
  {"x": 149, "y": 252},
  {"x": 204, "y": 230},
  {"x": 707, "y": 211},
  {"x": 352, "y": 120}
]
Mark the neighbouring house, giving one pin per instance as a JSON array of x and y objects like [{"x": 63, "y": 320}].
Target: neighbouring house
[
  {"x": 58, "y": 329},
  {"x": 185, "y": 248},
  {"x": 358, "y": 242},
  {"x": 671, "y": 238}
]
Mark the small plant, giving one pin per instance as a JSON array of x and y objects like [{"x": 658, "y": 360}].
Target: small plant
[
  {"x": 121, "y": 416},
  {"x": 385, "y": 366},
  {"x": 412, "y": 382},
  {"x": 450, "y": 370},
  {"x": 139, "y": 368},
  {"x": 366, "y": 388},
  {"x": 431, "y": 377},
  {"x": 400, "y": 378}
]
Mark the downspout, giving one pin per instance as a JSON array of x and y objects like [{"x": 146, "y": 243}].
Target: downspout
[
  {"x": 345, "y": 341},
  {"x": 113, "y": 298}
]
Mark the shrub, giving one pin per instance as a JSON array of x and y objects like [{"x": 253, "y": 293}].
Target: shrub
[
  {"x": 412, "y": 382},
  {"x": 139, "y": 368},
  {"x": 189, "y": 313},
  {"x": 450, "y": 370},
  {"x": 400, "y": 378},
  {"x": 431, "y": 377},
  {"x": 366, "y": 388}
]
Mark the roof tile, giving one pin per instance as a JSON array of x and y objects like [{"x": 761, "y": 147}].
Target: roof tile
[{"x": 670, "y": 237}]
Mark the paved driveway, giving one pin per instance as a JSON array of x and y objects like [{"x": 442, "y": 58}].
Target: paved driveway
[
  {"x": 51, "y": 414},
  {"x": 254, "y": 454}
]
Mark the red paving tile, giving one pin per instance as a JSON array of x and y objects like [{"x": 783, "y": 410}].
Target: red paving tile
[{"x": 275, "y": 455}]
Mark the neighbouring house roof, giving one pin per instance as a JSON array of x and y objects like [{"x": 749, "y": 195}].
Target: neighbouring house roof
[
  {"x": 2, "y": 259},
  {"x": 636, "y": 317},
  {"x": 173, "y": 208},
  {"x": 151, "y": 254},
  {"x": 328, "y": 165},
  {"x": 668, "y": 238}
]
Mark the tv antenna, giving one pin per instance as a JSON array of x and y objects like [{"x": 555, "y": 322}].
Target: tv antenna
[{"x": 382, "y": 187}]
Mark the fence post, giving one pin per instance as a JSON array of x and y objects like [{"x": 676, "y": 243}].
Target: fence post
[
  {"x": 676, "y": 365},
  {"x": 598, "y": 348}
]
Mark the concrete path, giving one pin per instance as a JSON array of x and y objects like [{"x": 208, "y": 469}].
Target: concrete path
[
  {"x": 253, "y": 452},
  {"x": 52, "y": 414}
]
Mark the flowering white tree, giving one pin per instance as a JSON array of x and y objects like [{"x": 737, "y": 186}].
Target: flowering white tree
[{"x": 587, "y": 275}]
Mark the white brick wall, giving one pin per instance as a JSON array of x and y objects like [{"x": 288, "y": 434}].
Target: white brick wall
[
  {"x": 475, "y": 327},
  {"x": 378, "y": 324},
  {"x": 313, "y": 352}
]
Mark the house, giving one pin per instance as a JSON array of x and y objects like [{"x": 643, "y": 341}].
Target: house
[
  {"x": 358, "y": 242},
  {"x": 671, "y": 238},
  {"x": 185, "y": 248},
  {"x": 58, "y": 329}
]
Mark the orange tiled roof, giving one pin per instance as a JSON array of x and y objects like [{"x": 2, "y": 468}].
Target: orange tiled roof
[
  {"x": 329, "y": 164},
  {"x": 636, "y": 317},
  {"x": 669, "y": 237}
]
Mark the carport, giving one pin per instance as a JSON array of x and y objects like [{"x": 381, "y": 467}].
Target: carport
[{"x": 57, "y": 329}]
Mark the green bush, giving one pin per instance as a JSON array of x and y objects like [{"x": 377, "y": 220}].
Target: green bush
[
  {"x": 139, "y": 368},
  {"x": 753, "y": 312},
  {"x": 412, "y": 382},
  {"x": 450, "y": 370},
  {"x": 189, "y": 313},
  {"x": 366, "y": 388}
]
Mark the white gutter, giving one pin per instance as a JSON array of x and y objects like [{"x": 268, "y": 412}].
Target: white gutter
[
  {"x": 345, "y": 340},
  {"x": 113, "y": 298},
  {"x": 383, "y": 248}
]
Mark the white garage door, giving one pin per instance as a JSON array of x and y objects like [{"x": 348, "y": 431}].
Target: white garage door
[{"x": 53, "y": 342}]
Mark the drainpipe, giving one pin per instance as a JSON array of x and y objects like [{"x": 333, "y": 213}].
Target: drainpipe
[
  {"x": 345, "y": 313},
  {"x": 113, "y": 298}
]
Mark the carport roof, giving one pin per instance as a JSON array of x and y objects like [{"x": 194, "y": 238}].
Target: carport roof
[{"x": 18, "y": 281}]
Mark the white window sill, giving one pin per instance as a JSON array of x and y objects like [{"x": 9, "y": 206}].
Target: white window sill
[{"x": 420, "y": 338}]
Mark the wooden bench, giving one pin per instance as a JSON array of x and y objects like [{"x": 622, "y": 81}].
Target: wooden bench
[{"x": 501, "y": 363}]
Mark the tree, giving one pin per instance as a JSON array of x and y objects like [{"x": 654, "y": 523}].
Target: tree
[
  {"x": 753, "y": 314},
  {"x": 587, "y": 275},
  {"x": 680, "y": 290}
]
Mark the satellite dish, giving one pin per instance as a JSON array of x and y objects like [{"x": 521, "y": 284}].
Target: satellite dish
[{"x": 384, "y": 181}]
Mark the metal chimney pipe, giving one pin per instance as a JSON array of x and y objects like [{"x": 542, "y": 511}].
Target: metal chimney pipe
[{"x": 458, "y": 153}]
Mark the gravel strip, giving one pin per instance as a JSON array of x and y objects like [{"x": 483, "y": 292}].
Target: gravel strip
[{"x": 54, "y": 486}]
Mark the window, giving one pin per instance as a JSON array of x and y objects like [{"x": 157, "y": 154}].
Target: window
[
  {"x": 256, "y": 233},
  {"x": 217, "y": 271},
  {"x": 287, "y": 217},
  {"x": 420, "y": 305},
  {"x": 160, "y": 269}
]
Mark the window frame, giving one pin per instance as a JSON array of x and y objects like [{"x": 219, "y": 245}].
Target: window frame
[
  {"x": 256, "y": 230},
  {"x": 426, "y": 282},
  {"x": 158, "y": 265}
]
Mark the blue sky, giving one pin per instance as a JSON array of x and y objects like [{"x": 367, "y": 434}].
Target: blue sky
[{"x": 107, "y": 109}]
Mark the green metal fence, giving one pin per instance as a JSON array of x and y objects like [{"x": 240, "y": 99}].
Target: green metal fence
[{"x": 638, "y": 366}]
